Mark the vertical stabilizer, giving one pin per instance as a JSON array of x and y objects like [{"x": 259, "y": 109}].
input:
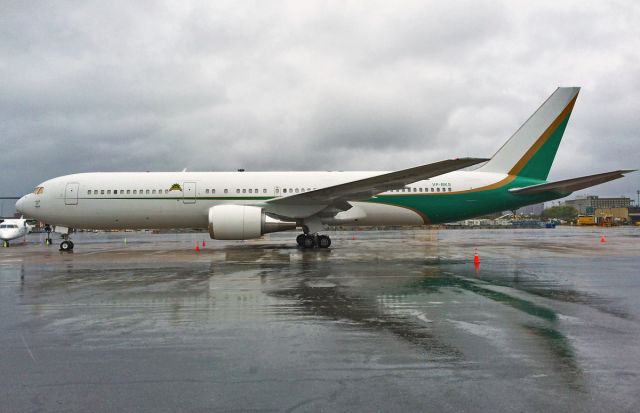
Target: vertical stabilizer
[{"x": 531, "y": 150}]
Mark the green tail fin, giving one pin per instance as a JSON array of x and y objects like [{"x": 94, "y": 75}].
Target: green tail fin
[{"x": 531, "y": 150}]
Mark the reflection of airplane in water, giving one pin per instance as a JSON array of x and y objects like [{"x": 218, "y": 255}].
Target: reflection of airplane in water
[
  {"x": 403, "y": 307},
  {"x": 13, "y": 228},
  {"x": 245, "y": 205}
]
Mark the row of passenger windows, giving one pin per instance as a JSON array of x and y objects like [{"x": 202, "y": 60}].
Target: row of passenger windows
[
  {"x": 127, "y": 191},
  {"x": 238, "y": 191},
  {"x": 166, "y": 191},
  {"x": 438, "y": 189}
]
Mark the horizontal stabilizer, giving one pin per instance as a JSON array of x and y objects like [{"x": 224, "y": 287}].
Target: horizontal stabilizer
[{"x": 570, "y": 185}]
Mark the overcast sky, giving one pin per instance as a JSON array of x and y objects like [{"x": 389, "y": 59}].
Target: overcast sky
[{"x": 212, "y": 85}]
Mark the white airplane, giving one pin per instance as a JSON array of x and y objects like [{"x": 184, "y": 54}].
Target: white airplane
[
  {"x": 13, "y": 228},
  {"x": 245, "y": 205}
]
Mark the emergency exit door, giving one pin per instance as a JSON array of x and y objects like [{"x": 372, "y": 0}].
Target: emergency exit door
[
  {"x": 189, "y": 193},
  {"x": 71, "y": 193}
]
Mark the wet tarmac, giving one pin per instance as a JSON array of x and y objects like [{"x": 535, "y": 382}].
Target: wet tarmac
[{"x": 383, "y": 321}]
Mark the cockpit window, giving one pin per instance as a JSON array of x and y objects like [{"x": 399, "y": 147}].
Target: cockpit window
[
  {"x": 8, "y": 226},
  {"x": 38, "y": 190}
]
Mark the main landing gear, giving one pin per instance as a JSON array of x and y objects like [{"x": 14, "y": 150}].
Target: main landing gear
[{"x": 307, "y": 241}]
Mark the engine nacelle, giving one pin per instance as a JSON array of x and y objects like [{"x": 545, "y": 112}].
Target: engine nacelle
[{"x": 233, "y": 222}]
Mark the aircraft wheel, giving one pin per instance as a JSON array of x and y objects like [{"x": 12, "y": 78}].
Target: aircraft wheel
[
  {"x": 66, "y": 245},
  {"x": 5, "y": 244},
  {"x": 300, "y": 240},
  {"x": 324, "y": 241},
  {"x": 308, "y": 242}
]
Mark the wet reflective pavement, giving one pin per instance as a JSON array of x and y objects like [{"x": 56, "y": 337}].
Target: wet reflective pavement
[{"x": 388, "y": 321}]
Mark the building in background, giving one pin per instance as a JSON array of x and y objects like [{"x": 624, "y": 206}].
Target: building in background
[{"x": 587, "y": 204}]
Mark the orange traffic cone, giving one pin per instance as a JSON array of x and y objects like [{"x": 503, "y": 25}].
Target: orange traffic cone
[
  {"x": 603, "y": 239},
  {"x": 197, "y": 248},
  {"x": 476, "y": 258}
]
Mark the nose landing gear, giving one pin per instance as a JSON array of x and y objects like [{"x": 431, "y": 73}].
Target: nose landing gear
[{"x": 66, "y": 245}]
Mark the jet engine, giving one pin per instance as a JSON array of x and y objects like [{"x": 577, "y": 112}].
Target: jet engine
[{"x": 243, "y": 222}]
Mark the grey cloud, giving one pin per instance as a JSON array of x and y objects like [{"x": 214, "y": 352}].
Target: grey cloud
[{"x": 97, "y": 86}]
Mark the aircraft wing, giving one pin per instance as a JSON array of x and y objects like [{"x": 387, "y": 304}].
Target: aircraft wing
[
  {"x": 362, "y": 189},
  {"x": 570, "y": 185}
]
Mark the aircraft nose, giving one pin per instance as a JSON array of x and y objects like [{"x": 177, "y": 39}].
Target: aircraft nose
[{"x": 21, "y": 204}]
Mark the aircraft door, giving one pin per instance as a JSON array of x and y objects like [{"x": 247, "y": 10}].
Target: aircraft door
[
  {"x": 71, "y": 193},
  {"x": 189, "y": 193}
]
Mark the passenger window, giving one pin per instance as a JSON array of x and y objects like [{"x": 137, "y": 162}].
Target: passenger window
[
  {"x": 135, "y": 191},
  {"x": 89, "y": 192},
  {"x": 449, "y": 189},
  {"x": 108, "y": 191},
  {"x": 290, "y": 190},
  {"x": 432, "y": 189},
  {"x": 213, "y": 191},
  {"x": 284, "y": 190},
  {"x": 255, "y": 191},
  {"x": 238, "y": 191},
  {"x": 244, "y": 191},
  {"x": 250, "y": 190},
  {"x": 153, "y": 191},
  {"x": 296, "y": 190},
  {"x": 226, "y": 191},
  {"x": 206, "y": 191},
  {"x": 264, "y": 190},
  {"x": 147, "y": 192},
  {"x": 415, "y": 189},
  {"x": 438, "y": 189}
]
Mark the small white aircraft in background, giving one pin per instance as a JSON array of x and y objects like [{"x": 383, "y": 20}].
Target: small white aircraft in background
[{"x": 13, "y": 228}]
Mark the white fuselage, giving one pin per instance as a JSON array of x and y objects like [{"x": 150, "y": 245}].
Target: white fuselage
[
  {"x": 13, "y": 228},
  {"x": 182, "y": 199}
]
